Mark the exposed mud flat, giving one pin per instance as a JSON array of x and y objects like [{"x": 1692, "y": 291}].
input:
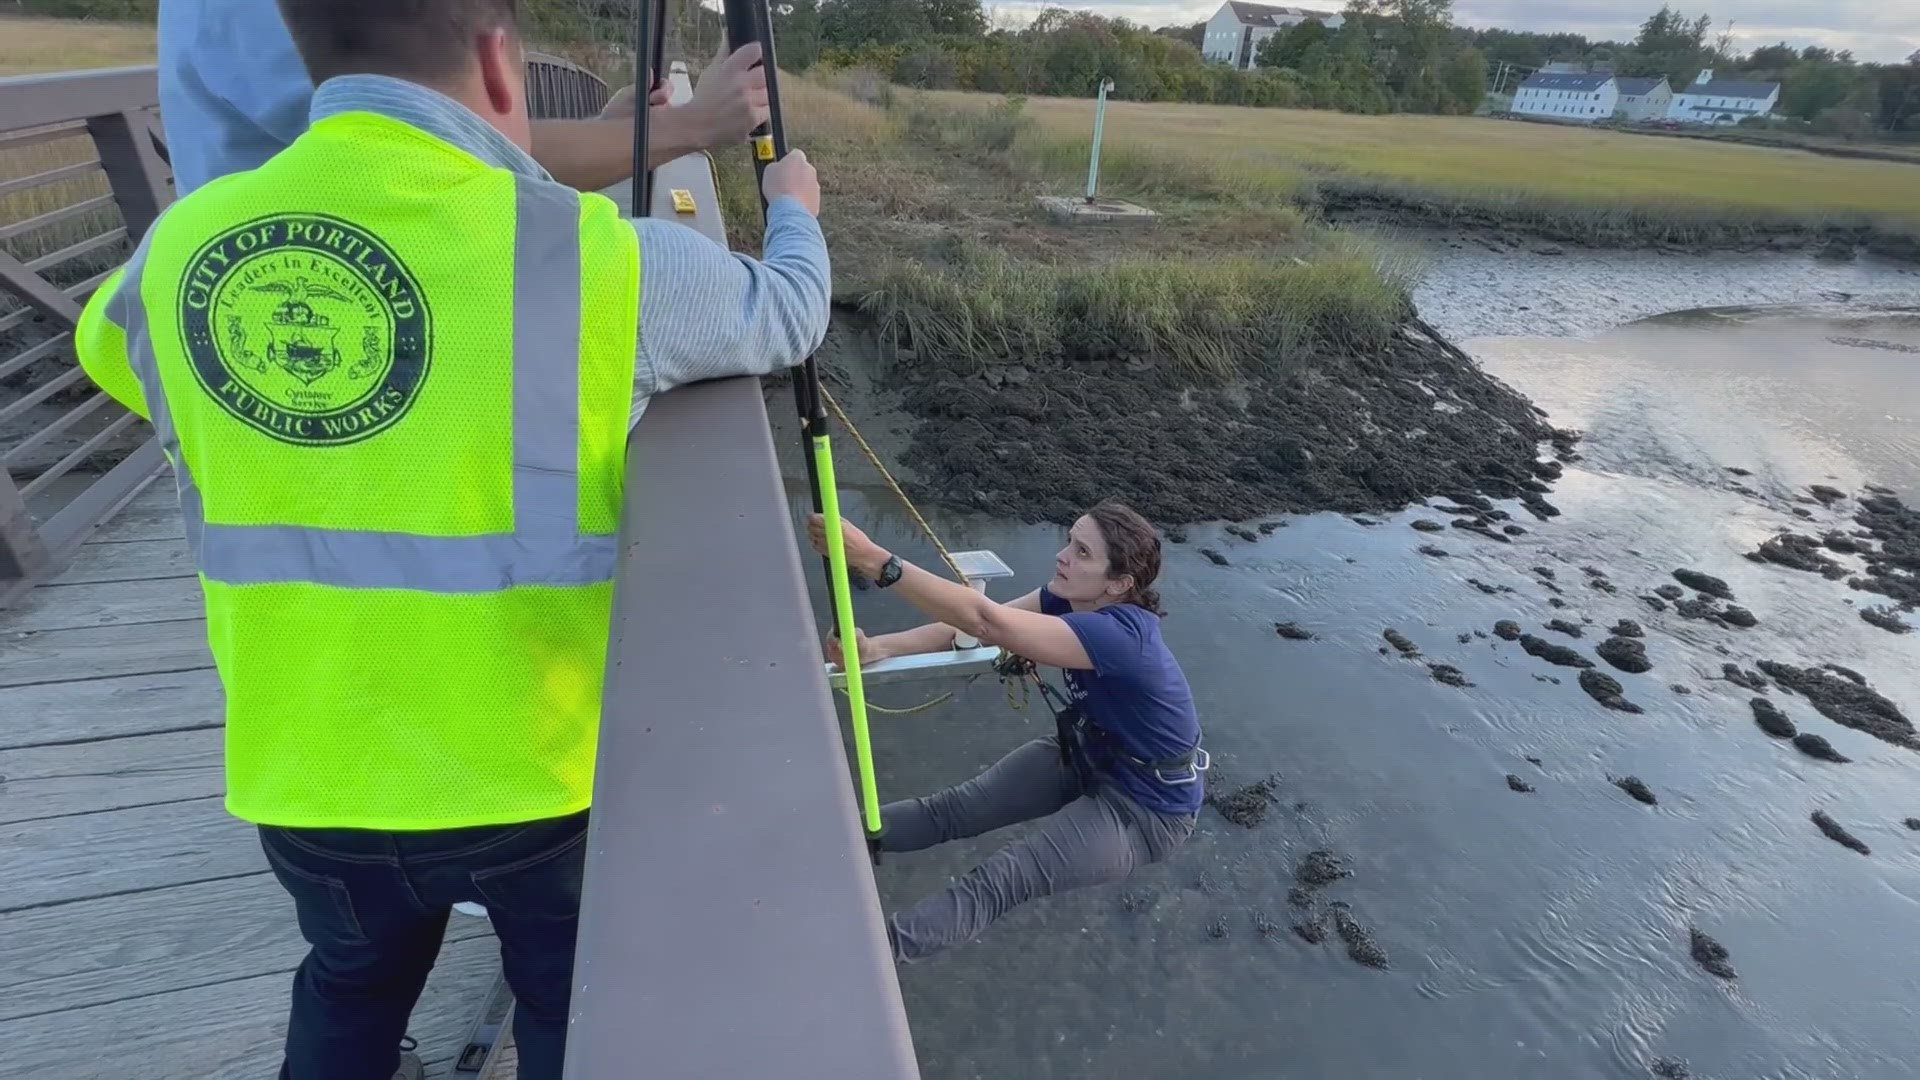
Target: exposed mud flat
[{"x": 1596, "y": 290}]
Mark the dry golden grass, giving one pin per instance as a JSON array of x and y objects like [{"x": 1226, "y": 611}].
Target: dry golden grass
[
  {"x": 19, "y": 206},
  {"x": 30, "y": 45},
  {"x": 1472, "y": 159}
]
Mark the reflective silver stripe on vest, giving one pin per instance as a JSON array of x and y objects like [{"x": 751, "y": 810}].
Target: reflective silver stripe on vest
[{"x": 545, "y": 548}]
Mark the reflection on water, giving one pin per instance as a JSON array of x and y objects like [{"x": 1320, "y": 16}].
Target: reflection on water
[{"x": 1530, "y": 935}]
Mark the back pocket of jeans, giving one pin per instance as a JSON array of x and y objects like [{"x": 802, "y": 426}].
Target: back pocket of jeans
[
  {"x": 545, "y": 885},
  {"x": 322, "y": 903}
]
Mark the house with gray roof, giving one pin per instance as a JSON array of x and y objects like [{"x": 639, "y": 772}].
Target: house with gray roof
[
  {"x": 1570, "y": 97},
  {"x": 1645, "y": 99},
  {"x": 1234, "y": 34},
  {"x": 1723, "y": 101}
]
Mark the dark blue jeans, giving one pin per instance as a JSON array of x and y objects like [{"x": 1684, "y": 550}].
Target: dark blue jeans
[{"x": 374, "y": 905}]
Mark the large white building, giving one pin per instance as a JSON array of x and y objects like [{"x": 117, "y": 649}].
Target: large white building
[
  {"x": 1723, "y": 101},
  {"x": 1573, "y": 98},
  {"x": 1645, "y": 99},
  {"x": 1235, "y": 32}
]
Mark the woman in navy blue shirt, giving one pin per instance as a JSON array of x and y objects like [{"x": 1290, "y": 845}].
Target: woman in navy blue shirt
[{"x": 1120, "y": 785}]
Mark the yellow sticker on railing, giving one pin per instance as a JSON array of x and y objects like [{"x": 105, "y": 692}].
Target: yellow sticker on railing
[
  {"x": 683, "y": 201},
  {"x": 763, "y": 147}
]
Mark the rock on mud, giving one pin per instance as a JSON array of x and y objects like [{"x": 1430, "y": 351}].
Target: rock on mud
[
  {"x": 1490, "y": 590},
  {"x": 1912, "y": 823},
  {"x": 1628, "y": 628},
  {"x": 1518, "y": 784},
  {"x": 1846, "y": 672},
  {"x": 1681, "y": 690},
  {"x": 1544, "y": 572},
  {"x": 1845, "y": 544},
  {"x": 1267, "y": 528},
  {"x": 1606, "y": 690},
  {"x": 1798, "y": 553},
  {"x": 1735, "y": 615},
  {"x": 1243, "y": 533},
  {"x": 1827, "y": 496},
  {"x": 1565, "y": 627},
  {"x": 1507, "y": 630},
  {"x": 1885, "y": 618},
  {"x": 1401, "y": 642},
  {"x": 1706, "y": 583},
  {"x": 1313, "y": 932},
  {"x": 1448, "y": 675},
  {"x": 1816, "y": 746},
  {"x": 1434, "y": 551},
  {"x": 1292, "y": 632},
  {"x": 1553, "y": 654},
  {"x": 1264, "y": 925},
  {"x": 1635, "y": 787},
  {"x": 1710, "y": 954},
  {"x": 1319, "y": 869},
  {"x": 1847, "y": 703},
  {"x": 1428, "y": 525},
  {"x": 1627, "y": 654},
  {"x": 1360, "y": 944},
  {"x": 1670, "y": 1069},
  {"x": 1837, "y": 834},
  {"x": 1217, "y": 928},
  {"x": 1655, "y": 603},
  {"x": 1248, "y": 806},
  {"x": 1513, "y": 530},
  {"x": 1771, "y": 719},
  {"x": 1745, "y": 680},
  {"x": 1670, "y": 592},
  {"x": 1215, "y": 557}
]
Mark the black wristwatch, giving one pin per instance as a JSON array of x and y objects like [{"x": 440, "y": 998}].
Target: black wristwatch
[{"x": 889, "y": 573}]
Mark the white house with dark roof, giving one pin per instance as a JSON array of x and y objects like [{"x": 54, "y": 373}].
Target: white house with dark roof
[
  {"x": 1644, "y": 99},
  {"x": 1723, "y": 101},
  {"x": 1576, "y": 98},
  {"x": 1235, "y": 32}
]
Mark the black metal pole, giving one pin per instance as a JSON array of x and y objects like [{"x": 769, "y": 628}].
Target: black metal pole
[
  {"x": 649, "y": 38},
  {"x": 750, "y": 20}
]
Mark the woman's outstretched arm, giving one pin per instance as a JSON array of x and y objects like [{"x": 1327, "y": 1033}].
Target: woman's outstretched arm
[{"x": 1044, "y": 639}]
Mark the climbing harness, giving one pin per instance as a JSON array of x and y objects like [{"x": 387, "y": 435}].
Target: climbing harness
[{"x": 1082, "y": 741}]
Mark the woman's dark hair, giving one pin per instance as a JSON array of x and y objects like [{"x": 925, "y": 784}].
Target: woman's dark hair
[{"x": 1133, "y": 547}]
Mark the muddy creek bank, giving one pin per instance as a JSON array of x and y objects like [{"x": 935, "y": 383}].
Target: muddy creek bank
[{"x": 1541, "y": 933}]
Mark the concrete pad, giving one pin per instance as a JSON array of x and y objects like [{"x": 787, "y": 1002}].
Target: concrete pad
[{"x": 1076, "y": 210}]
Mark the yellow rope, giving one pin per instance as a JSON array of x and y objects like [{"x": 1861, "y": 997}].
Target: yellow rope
[
  {"x": 923, "y": 707},
  {"x": 874, "y": 459}
]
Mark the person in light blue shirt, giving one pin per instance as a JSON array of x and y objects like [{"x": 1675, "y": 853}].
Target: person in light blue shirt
[{"x": 233, "y": 93}]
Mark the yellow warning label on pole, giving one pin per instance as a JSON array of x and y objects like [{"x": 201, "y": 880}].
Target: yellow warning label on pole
[
  {"x": 763, "y": 147},
  {"x": 683, "y": 201}
]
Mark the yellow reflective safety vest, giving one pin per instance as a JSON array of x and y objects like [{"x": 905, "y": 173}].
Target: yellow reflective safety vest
[{"x": 394, "y": 383}]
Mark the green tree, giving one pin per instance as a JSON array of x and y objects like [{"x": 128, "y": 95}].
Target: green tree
[
  {"x": 954, "y": 16},
  {"x": 864, "y": 24},
  {"x": 1284, "y": 50},
  {"x": 1465, "y": 79}
]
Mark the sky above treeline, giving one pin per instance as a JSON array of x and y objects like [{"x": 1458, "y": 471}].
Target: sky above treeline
[{"x": 1887, "y": 31}]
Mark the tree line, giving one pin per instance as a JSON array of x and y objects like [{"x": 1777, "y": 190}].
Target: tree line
[{"x": 1387, "y": 56}]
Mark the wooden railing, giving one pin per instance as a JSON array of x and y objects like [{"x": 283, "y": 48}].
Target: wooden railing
[{"x": 83, "y": 174}]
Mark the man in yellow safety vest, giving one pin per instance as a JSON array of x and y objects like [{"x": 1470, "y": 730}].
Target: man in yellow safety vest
[{"x": 394, "y": 369}]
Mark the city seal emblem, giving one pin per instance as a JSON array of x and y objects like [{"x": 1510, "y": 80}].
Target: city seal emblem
[{"x": 307, "y": 328}]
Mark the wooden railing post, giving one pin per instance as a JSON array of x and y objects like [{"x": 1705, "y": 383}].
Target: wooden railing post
[
  {"x": 141, "y": 181},
  {"x": 22, "y": 555}
]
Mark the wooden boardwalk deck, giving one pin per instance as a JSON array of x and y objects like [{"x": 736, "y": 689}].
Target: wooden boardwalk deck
[{"x": 140, "y": 930}]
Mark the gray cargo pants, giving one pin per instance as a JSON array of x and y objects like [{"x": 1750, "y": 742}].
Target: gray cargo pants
[{"x": 1094, "y": 835}]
